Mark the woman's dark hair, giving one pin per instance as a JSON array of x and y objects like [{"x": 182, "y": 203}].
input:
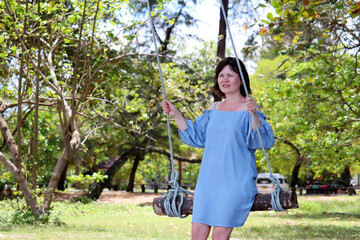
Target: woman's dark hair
[{"x": 218, "y": 94}]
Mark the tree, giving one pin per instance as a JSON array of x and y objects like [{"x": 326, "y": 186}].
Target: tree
[
  {"x": 49, "y": 42},
  {"x": 142, "y": 100},
  {"x": 138, "y": 110},
  {"x": 314, "y": 120},
  {"x": 318, "y": 39}
]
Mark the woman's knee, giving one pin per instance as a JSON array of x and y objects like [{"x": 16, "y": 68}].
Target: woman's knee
[
  {"x": 221, "y": 233},
  {"x": 200, "y": 231}
]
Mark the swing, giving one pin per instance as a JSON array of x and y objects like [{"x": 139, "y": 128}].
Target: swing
[{"x": 177, "y": 203}]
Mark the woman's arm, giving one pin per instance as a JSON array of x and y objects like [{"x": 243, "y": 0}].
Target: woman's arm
[
  {"x": 175, "y": 113},
  {"x": 252, "y": 107}
]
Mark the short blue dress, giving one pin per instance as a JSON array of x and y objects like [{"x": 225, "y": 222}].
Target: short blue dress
[{"x": 226, "y": 189}]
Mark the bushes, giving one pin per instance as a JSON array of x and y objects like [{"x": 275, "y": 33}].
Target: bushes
[
  {"x": 7, "y": 182},
  {"x": 15, "y": 212}
]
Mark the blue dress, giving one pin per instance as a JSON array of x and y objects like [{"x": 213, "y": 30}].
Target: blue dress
[{"x": 225, "y": 189}]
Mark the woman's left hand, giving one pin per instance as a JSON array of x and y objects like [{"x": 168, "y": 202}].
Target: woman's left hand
[{"x": 251, "y": 105}]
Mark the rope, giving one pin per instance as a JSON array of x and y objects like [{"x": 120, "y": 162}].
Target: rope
[
  {"x": 275, "y": 195},
  {"x": 176, "y": 191}
]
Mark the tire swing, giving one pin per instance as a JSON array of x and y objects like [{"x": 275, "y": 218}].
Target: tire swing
[{"x": 177, "y": 202}]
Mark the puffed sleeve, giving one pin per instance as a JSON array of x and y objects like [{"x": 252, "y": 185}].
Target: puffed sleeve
[
  {"x": 195, "y": 133},
  {"x": 266, "y": 132}
]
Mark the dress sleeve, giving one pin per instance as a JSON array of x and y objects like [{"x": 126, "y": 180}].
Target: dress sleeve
[
  {"x": 195, "y": 133},
  {"x": 266, "y": 132}
]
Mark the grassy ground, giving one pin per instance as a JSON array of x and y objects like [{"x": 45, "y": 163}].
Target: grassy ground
[{"x": 319, "y": 217}]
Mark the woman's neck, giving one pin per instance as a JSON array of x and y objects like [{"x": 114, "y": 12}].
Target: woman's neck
[{"x": 234, "y": 98}]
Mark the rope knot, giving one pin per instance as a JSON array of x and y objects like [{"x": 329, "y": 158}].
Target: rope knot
[
  {"x": 170, "y": 198},
  {"x": 275, "y": 195}
]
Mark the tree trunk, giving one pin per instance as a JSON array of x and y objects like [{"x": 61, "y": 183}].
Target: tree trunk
[
  {"x": 36, "y": 118},
  {"x": 299, "y": 160},
  {"x": 72, "y": 140},
  {"x": 130, "y": 186},
  {"x": 20, "y": 178},
  {"x": 262, "y": 202},
  {"x": 346, "y": 175},
  {"x": 60, "y": 166},
  {"x": 61, "y": 184},
  {"x": 99, "y": 186},
  {"x": 295, "y": 172},
  {"x": 222, "y": 31},
  {"x": 165, "y": 43},
  {"x": 77, "y": 172},
  {"x": 18, "y": 173}
]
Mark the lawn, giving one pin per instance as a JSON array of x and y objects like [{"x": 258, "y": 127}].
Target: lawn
[{"x": 319, "y": 217}]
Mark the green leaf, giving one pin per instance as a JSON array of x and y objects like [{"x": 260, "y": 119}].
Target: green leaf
[
  {"x": 276, "y": 4},
  {"x": 279, "y": 11},
  {"x": 73, "y": 19},
  {"x": 270, "y": 16},
  {"x": 261, "y": 5}
]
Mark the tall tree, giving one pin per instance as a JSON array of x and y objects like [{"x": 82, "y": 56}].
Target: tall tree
[
  {"x": 68, "y": 32},
  {"x": 319, "y": 35}
]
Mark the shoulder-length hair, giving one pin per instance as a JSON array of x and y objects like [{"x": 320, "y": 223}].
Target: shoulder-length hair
[{"x": 231, "y": 61}]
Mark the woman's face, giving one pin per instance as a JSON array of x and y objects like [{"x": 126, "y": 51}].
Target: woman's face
[{"x": 229, "y": 81}]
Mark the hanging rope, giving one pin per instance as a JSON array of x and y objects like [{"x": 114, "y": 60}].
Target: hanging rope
[
  {"x": 275, "y": 195},
  {"x": 175, "y": 191}
]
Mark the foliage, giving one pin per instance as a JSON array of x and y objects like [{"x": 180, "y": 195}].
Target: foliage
[
  {"x": 312, "y": 97},
  {"x": 45, "y": 44},
  {"x": 155, "y": 168},
  {"x": 317, "y": 26},
  {"x": 86, "y": 181},
  {"x": 190, "y": 174},
  {"x": 83, "y": 199},
  {"x": 20, "y": 217},
  {"x": 16, "y": 213},
  {"x": 316, "y": 108},
  {"x": 7, "y": 180}
]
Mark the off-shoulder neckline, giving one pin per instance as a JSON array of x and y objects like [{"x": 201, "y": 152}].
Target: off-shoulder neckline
[
  {"x": 230, "y": 111},
  {"x": 214, "y": 108}
]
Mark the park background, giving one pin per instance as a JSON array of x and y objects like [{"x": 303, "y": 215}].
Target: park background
[{"x": 80, "y": 97}]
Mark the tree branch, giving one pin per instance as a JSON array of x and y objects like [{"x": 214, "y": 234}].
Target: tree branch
[{"x": 167, "y": 153}]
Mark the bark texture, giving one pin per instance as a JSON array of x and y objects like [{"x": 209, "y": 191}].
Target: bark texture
[
  {"x": 262, "y": 202},
  {"x": 222, "y": 32}
]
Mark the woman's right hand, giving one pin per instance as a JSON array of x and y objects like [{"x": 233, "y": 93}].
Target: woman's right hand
[
  {"x": 170, "y": 109},
  {"x": 175, "y": 113}
]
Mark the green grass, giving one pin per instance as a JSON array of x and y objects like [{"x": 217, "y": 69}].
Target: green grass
[{"x": 319, "y": 217}]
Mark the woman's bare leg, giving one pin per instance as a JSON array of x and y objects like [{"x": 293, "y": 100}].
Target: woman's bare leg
[
  {"x": 200, "y": 231},
  {"x": 221, "y": 233}
]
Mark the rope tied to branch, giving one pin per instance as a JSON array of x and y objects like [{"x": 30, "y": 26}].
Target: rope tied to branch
[
  {"x": 176, "y": 191},
  {"x": 170, "y": 198},
  {"x": 275, "y": 195}
]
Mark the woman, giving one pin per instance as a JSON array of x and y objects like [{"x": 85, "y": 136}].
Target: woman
[{"x": 225, "y": 189}]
